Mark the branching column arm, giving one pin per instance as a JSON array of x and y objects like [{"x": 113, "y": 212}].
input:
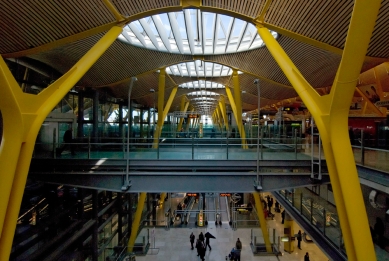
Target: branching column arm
[
  {"x": 184, "y": 108},
  {"x": 331, "y": 113},
  {"x": 136, "y": 223},
  {"x": 223, "y": 108},
  {"x": 32, "y": 111},
  {"x": 369, "y": 103},
  {"x": 238, "y": 105}
]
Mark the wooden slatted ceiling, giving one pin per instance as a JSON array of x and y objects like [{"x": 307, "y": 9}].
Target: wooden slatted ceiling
[
  {"x": 27, "y": 24},
  {"x": 249, "y": 8},
  {"x": 131, "y": 7},
  {"x": 322, "y": 20},
  {"x": 379, "y": 42}
]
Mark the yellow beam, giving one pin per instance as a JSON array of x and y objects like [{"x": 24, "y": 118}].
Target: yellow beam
[
  {"x": 170, "y": 101},
  {"x": 114, "y": 11},
  {"x": 224, "y": 111},
  {"x": 136, "y": 222},
  {"x": 369, "y": 103},
  {"x": 238, "y": 104},
  {"x": 161, "y": 102},
  {"x": 28, "y": 113},
  {"x": 262, "y": 221},
  {"x": 261, "y": 16},
  {"x": 331, "y": 113},
  {"x": 184, "y": 108}
]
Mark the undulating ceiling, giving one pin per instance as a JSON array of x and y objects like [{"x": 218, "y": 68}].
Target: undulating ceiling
[{"x": 198, "y": 46}]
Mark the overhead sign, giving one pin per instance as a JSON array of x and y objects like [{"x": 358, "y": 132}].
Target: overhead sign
[
  {"x": 191, "y": 194},
  {"x": 193, "y": 116},
  {"x": 225, "y": 194}
]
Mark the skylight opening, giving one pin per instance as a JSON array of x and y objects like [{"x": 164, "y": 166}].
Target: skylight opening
[{"x": 193, "y": 32}]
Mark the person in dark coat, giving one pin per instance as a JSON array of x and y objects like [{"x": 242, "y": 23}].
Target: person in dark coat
[
  {"x": 299, "y": 238},
  {"x": 306, "y": 257},
  {"x": 207, "y": 244},
  {"x": 283, "y": 216},
  {"x": 379, "y": 229},
  {"x": 67, "y": 140},
  {"x": 270, "y": 204},
  {"x": 201, "y": 237},
  {"x": 198, "y": 246},
  {"x": 238, "y": 249},
  {"x": 200, "y": 249},
  {"x": 192, "y": 239}
]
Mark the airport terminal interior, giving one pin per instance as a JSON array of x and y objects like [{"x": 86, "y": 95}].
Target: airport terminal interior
[{"x": 259, "y": 127}]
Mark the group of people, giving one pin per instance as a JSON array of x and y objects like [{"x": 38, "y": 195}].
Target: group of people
[
  {"x": 202, "y": 243},
  {"x": 201, "y": 246}
]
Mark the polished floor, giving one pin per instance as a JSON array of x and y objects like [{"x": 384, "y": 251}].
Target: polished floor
[{"x": 174, "y": 244}]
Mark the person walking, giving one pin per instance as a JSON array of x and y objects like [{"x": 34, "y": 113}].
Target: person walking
[
  {"x": 299, "y": 238},
  {"x": 379, "y": 229},
  {"x": 67, "y": 142},
  {"x": 200, "y": 249},
  {"x": 283, "y": 216},
  {"x": 192, "y": 239},
  {"x": 207, "y": 237},
  {"x": 201, "y": 237},
  {"x": 198, "y": 246},
  {"x": 270, "y": 204},
  {"x": 238, "y": 249},
  {"x": 306, "y": 257}
]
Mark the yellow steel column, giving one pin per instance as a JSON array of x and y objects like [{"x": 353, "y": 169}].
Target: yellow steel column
[
  {"x": 28, "y": 113},
  {"x": 161, "y": 102},
  {"x": 164, "y": 114},
  {"x": 262, "y": 221},
  {"x": 219, "y": 117},
  {"x": 238, "y": 104},
  {"x": 136, "y": 222},
  {"x": 170, "y": 101},
  {"x": 331, "y": 113},
  {"x": 183, "y": 108},
  {"x": 232, "y": 102},
  {"x": 224, "y": 111}
]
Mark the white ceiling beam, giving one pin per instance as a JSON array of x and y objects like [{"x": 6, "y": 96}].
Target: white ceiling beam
[
  {"x": 189, "y": 31},
  {"x": 162, "y": 33},
  {"x": 242, "y": 33},
  {"x": 229, "y": 32},
  {"x": 149, "y": 32},
  {"x": 176, "y": 31},
  {"x": 138, "y": 35},
  {"x": 216, "y": 32}
]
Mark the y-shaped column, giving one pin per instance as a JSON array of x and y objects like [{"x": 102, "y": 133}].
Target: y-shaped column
[
  {"x": 23, "y": 115},
  {"x": 331, "y": 114}
]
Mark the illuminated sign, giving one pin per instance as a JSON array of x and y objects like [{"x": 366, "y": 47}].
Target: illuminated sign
[
  {"x": 191, "y": 194},
  {"x": 192, "y": 116},
  {"x": 225, "y": 194}
]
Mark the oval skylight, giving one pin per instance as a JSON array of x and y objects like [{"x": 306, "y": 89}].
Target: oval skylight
[
  {"x": 199, "y": 68},
  {"x": 201, "y": 84},
  {"x": 194, "y": 32}
]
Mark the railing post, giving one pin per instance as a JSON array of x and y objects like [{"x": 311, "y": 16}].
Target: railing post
[
  {"x": 301, "y": 203},
  {"x": 311, "y": 211},
  {"x": 157, "y": 142},
  {"x": 227, "y": 144},
  {"x": 89, "y": 147},
  {"x": 54, "y": 143},
  {"x": 325, "y": 221},
  {"x": 124, "y": 146},
  {"x": 192, "y": 146},
  {"x": 362, "y": 149},
  {"x": 261, "y": 143},
  {"x": 295, "y": 144}
]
